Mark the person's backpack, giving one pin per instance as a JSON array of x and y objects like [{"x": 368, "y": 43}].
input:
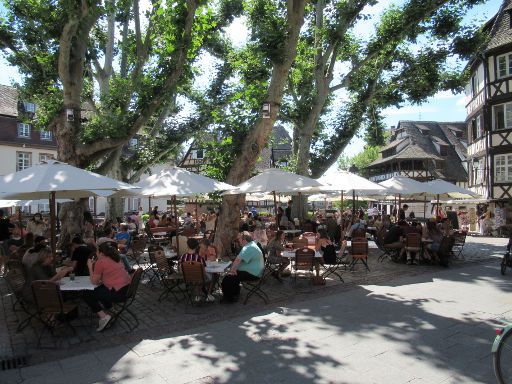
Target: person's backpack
[{"x": 230, "y": 288}]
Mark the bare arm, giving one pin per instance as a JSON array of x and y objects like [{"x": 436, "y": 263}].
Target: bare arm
[{"x": 234, "y": 266}]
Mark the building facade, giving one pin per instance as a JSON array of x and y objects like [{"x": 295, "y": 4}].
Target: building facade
[
  {"x": 423, "y": 150},
  {"x": 21, "y": 145},
  {"x": 489, "y": 118}
]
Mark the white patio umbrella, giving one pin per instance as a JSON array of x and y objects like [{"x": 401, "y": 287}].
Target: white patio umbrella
[
  {"x": 405, "y": 186},
  {"x": 345, "y": 181},
  {"x": 54, "y": 179},
  {"x": 176, "y": 181},
  {"x": 444, "y": 189},
  {"x": 274, "y": 180}
]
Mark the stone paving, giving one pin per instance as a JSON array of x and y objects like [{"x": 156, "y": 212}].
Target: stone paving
[{"x": 162, "y": 318}]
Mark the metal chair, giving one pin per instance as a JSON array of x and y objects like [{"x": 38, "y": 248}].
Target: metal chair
[
  {"x": 459, "y": 239},
  {"x": 387, "y": 253},
  {"x": 332, "y": 262},
  {"x": 254, "y": 287},
  {"x": 412, "y": 244},
  {"x": 304, "y": 261},
  {"x": 194, "y": 278},
  {"x": 121, "y": 310},
  {"x": 359, "y": 252},
  {"x": 51, "y": 309},
  {"x": 171, "y": 282},
  {"x": 299, "y": 242},
  {"x": 15, "y": 279},
  {"x": 136, "y": 250}
]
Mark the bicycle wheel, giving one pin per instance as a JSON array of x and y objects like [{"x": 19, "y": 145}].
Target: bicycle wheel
[
  {"x": 504, "y": 263},
  {"x": 503, "y": 359}
]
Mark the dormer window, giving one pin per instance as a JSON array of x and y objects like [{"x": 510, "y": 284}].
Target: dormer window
[
  {"x": 29, "y": 107},
  {"x": 24, "y": 130},
  {"x": 505, "y": 65}
]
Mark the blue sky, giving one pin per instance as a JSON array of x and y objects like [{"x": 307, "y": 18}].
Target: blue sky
[{"x": 443, "y": 107}]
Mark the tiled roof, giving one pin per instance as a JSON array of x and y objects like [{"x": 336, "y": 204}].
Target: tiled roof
[
  {"x": 501, "y": 33},
  {"x": 421, "y": 136},
  {"x": 391, "y": 145},
  {"x": 8, "y": 101}
]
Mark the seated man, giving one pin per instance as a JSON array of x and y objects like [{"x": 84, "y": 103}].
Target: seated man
[
  {"x": 393, "y": 238},
  {"x": 123, "y": 239},
  {"x": 249, "y": 263}
]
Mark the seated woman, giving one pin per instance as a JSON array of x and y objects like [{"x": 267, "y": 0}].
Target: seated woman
[
  {"x": 192, "y": 254},
  {"x": 274, "y": 249},
  {"x": 432, "y": 232},
  {"x": 41, "y": 269},
  {"x": 113, "y": 280},
  {"x": 207, "y": 250}
]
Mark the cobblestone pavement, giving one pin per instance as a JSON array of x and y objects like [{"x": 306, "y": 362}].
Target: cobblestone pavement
[{"x": 168, "y": 316}]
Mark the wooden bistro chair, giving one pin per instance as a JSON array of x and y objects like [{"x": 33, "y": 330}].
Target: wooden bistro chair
[
  {"x": 311, "y": 238},
  {"x": 253, "y": 287},
  {"x": 136, "y": 251},
  {"x": 51, "y": 309},
  {"x": 304, "y": 261},
  {"x": 387, "y": 253},
  {"x": 459, "y": 239},
  {"x": 194, "y": 278},
  {"x": 15, "y": 279},
  {"x": 359, "y": 252},
  {"x": 171, "y": 282},
  {"x": 412, "y": 244},
  {"x": 121, "y": 310},
  {"x": 300, "y": 242}
]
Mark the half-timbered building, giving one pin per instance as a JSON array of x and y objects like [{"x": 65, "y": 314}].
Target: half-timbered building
[
  {"x": 489, "y": 115},
  {"x": 423, "y": 150}
]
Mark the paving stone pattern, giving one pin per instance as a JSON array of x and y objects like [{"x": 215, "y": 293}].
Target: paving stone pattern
[{"x": 159, "y": 318}]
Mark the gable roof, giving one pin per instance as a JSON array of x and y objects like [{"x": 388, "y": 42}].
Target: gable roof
[
  {"x": 500, "y": 33},
  {"x": 8, "y": 101},
  {"x": 420, "y": 139}
]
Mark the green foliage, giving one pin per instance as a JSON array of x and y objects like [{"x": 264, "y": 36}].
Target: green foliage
[{"x": 361, "y": 160}]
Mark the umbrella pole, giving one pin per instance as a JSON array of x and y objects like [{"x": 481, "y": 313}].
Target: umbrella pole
[
  {"x": 175, "y": 224},
  {"x": 275, "y": 208},
  {"x": 52, "y": 222},
  {"x": 95, "y": 205},
  {"x": 424, "y": 207},
  {"x": 341, "y": 208},
  {"x": 197, "y": 218},
  {"x": 353, "y": 205},
  {"x": 20, "y": 221},
  {"x": 300, "y": 208},
  {"x": 149, "y": 203},
  {"x": 438, "y": 208}
]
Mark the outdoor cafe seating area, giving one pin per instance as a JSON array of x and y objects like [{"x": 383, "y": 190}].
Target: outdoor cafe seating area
[{"x": 318, "y": 253}]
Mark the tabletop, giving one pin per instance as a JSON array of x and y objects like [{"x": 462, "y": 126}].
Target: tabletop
[
  {"x": 81, "y": 283},
  {"x": 291, "y": 254},
  {"x": 292, "y": 231},
  {"x": 217, "y": 266}
]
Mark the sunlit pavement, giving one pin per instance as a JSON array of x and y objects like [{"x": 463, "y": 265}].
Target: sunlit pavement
[{"x": 434, "y": 327}]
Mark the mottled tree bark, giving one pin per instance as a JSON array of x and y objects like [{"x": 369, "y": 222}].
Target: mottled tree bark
[{"x": 258, "y": 137}]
